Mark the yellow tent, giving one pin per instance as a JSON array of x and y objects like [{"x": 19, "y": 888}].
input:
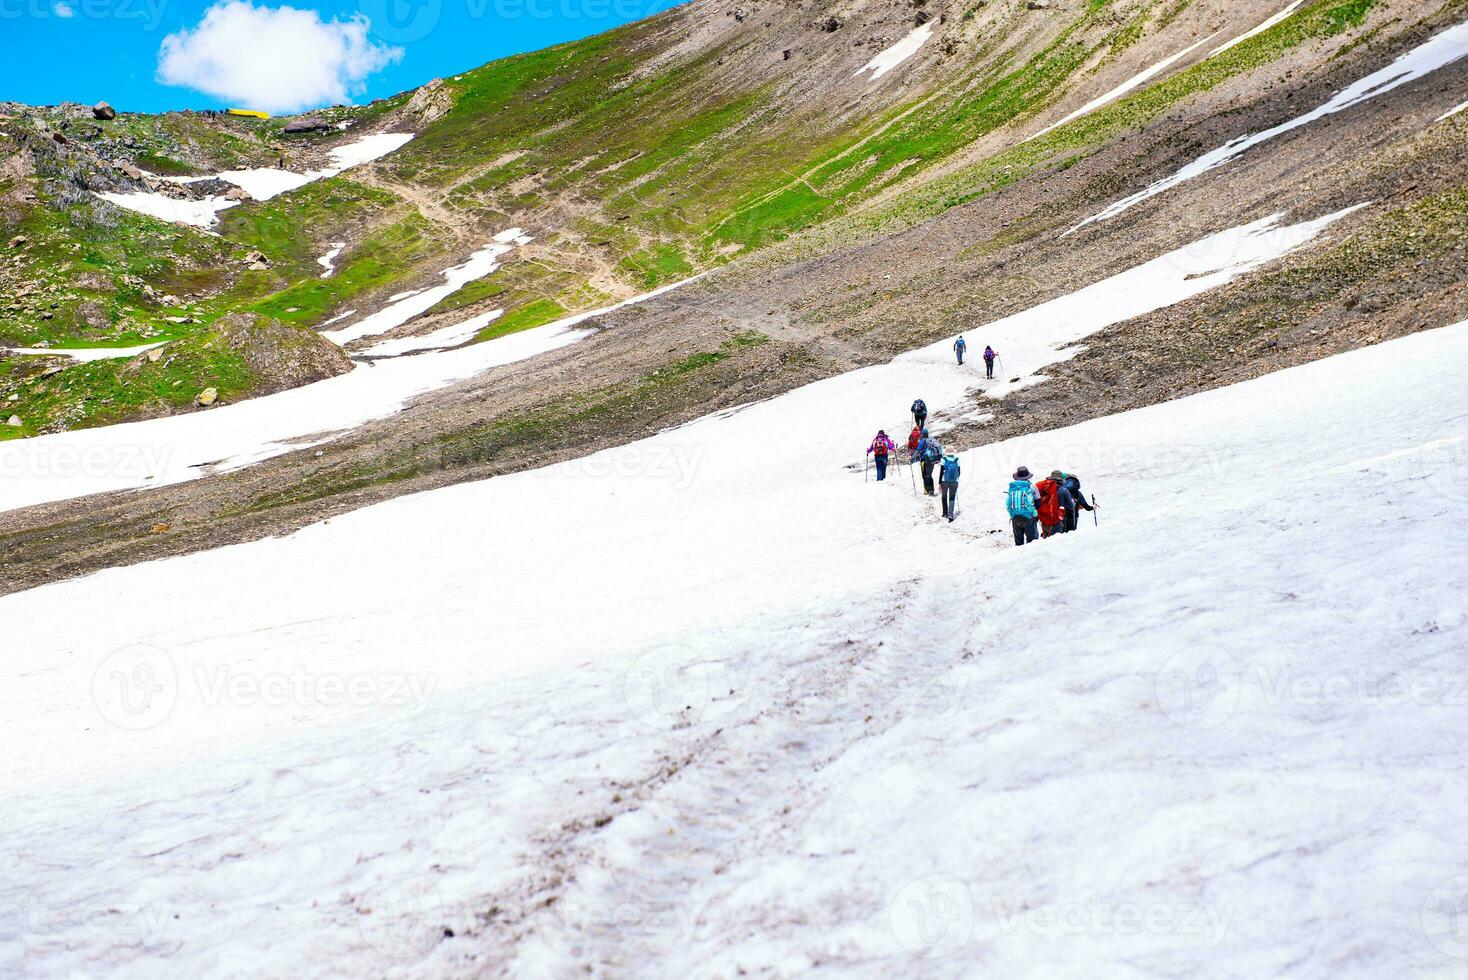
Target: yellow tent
[{"x": 252, "y": 113}]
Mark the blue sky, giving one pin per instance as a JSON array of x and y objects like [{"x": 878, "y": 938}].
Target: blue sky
[{"x": 279, "y": 56}]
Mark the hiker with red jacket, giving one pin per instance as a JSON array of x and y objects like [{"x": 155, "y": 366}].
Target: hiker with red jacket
[
  {"x": 879, "y": 448},
  {"x": 913, "y": 438},
  {"x": 1055, "y": 501}
]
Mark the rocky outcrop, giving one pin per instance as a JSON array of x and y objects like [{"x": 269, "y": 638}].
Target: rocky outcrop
[
  {"x": 307, "y": 124},
  {"x": 430, "y": 102},
  {"x": 103, "y": 111},
  {"x": 280, "y": 356}
]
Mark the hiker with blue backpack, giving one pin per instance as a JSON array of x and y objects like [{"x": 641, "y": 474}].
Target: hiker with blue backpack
[
  {"x": 920, "y": 414},
  {"x": 1024, "y": 517},
  {"x": 959, "y": 346},
  {"x": 948, "y": 480},
  {"x": 929, "y": 451}
]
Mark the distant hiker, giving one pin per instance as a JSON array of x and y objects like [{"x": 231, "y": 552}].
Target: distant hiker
[
  {"x": 879, "y": 449},
  {"x": 959, "y": 346},
  {"x": 1072, "y": 516},
  {"x": 989, "y": 356},
  {"x": 929, "y": 451},
  {"x": 919, "y": 413},
  {"x": 948, "y": 480},
  {"x": 1055, "y": 503},
  {"x": 1023, "y": 515}
]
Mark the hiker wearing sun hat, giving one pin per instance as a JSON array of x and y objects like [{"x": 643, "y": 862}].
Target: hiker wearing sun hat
[{"x": 1023, "y": 516}]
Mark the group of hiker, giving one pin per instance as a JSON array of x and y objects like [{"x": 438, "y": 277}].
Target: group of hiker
[
  {"x": 960, "y": 345},
  {"x": 1036, "y": 509}
]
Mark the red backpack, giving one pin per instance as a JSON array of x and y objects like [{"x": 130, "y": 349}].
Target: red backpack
[
  {"x": 1049, "y": 506},
  {"x": 914, "y": 439}
]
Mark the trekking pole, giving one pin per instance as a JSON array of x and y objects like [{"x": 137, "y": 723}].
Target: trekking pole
[
  {"x": 1096, "y": 521},
  {"x": 866, "y": 466}
]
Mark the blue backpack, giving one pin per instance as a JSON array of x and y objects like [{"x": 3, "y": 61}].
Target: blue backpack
[
  {"x": 1021, "y": 501},
  {"x": 950, "y": 469}
]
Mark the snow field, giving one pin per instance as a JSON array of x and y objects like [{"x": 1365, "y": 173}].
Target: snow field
[{"x": 1215, "y": 736}]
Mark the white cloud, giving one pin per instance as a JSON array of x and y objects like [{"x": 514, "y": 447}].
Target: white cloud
[
  {"x": 277, "y": 59},
  {"x": 63, "y": 10}
]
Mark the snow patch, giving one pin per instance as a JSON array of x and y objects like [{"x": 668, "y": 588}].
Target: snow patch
[
  {"x": 1258, "y": 29},
  {"x": 86, "y": 353},
  {"x": 889, "y": 58},
  {"x": 1123, "y": 88},
  {"x": 450, "y": 336},
  {"x": 328, "y": 261},
  {"x": 410, "y": 305},
  {"x": 1452, "y": 112},
  {"x": 262, "y": 183},
  {"x": 1443, "y": 49},
  {"x": 200, "y": 214}
]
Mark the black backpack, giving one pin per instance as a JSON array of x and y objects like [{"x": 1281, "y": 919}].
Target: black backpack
[{"x": 919, "y": 408}]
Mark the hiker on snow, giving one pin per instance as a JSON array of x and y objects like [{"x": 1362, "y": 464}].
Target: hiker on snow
[
  {"x": 948, "y": 480},
  {"x": 959, "y": 346},
  {"x": 879, "y": 448},
  {"x": 913, "y": 438},
  {"x": 929, "y": 451},
  {"x": 1072, "y": 516},
  {"x": 919, "y": 413},
  {"x": 1023, "y": 515},
  {"x": 1055, "y": 503},
  {"x": 989, "y": 356}
]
